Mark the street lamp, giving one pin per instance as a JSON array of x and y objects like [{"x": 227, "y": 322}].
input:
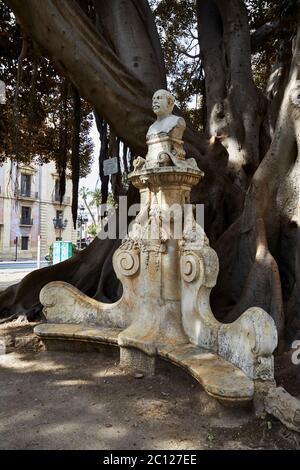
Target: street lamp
[
  {"x": 60, "y": 224},
  {"x": 82, "y": 219}
]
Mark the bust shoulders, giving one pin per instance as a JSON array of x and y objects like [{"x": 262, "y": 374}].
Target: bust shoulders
[{"x": 167, "y": 125}]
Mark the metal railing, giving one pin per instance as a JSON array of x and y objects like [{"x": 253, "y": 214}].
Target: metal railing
[
  {"x": 56, "y": 199},
  {"x": 28, "y": 194},
  {"x": 26, "y": 221},
  {"x": 59, "y": 223}
]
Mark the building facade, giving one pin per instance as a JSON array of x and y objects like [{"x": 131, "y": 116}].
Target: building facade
[{"x": 30, "y": 207}]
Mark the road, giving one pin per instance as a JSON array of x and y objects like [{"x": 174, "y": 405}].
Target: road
[
  {"x": 12, "y": 272},
  {"x": 21, "y": 264}
]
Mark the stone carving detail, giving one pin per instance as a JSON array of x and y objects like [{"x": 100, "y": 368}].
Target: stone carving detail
[
  {"x": 138, "y": 163},
  {"x": 248, "y": 342},
  {"x": 263, "y": 367},
  {"x": 126, "y": 262},
  {"x": 60, "y": 303},
  {"x": 191, "y": 267}
]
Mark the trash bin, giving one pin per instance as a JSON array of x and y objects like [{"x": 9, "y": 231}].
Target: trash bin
[{"x": 61, "y": 251}]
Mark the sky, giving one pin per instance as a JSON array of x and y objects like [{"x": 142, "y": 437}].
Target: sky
[{"x": 93, "y": 178}]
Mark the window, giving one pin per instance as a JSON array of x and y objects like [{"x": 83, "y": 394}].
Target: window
[
  {"x": 26, "y": 215},
  {"x": 59, "y": 215},
  {"x": 58, "y": 221},
  {"x": 56, "y": 191},
  {"x": 25, "y": 184},
  {"x": 24, "y": 243}
]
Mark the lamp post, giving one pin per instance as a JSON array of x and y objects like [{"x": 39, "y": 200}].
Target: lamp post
[
  {"x": 60, "y": 224},
  {"x": 82, "y": 219}
]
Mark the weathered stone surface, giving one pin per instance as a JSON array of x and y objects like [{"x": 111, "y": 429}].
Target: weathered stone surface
[
  {"x": 284, "y": 407},
  {"x": 135, "y": 361},
  {"x": 64, "y": 303},
  {"x": 261, "y": 389},
  {"x": 248, "y": 342},
  {"x": 77, "y": 332},
  {"x": 218, "y": 377}
]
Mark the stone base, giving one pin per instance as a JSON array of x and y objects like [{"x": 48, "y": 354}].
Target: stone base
[
  {"x": 134, "y": 361},
  {"x": 80, "y": 346},
  {"x": 284, "y": 407}
]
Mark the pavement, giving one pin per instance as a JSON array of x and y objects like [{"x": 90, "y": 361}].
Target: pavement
[
  {"x": 8, "y": 277},
  {"x": 12, "y": 272},
  {"x": 23, "y": 264}
]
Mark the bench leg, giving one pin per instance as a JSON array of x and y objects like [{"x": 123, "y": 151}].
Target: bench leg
[{"x": 135, "y": 361}]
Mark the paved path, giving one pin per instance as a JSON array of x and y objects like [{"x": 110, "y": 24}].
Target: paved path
[
  {"x": 8, "y": 277},
  {"x": 12, "y": 272},
  {"x": 20, "y": 264}
]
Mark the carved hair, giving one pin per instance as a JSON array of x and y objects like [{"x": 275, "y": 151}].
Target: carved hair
[{"x": 170, "y": 97}]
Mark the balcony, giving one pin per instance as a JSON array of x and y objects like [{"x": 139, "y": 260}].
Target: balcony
[
  {"x": 27, "y": 194},
  {"x": 26, "y": 221},
  {"x": 59, "y": 223},
  {"x": 56, "y": 199}
]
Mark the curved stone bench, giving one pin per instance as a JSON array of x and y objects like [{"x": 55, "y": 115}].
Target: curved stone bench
[{"x": 219, "y": 378}]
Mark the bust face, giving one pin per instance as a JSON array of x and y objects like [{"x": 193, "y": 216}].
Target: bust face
[{"x": 161, "y": 103}]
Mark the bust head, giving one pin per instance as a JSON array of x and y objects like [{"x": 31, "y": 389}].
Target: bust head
[{"x": 162, "y": 103}]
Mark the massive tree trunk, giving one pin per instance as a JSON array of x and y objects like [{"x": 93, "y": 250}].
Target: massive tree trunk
[
  {"x": 233, "y": 103},
  {"x": 251, "y": 198},
  {"x": 265, "y": 240},
  {"x": 259, "y": 251}
]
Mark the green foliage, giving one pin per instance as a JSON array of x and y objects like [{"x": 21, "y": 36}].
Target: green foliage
[
  {"x": 96, "y": 197},
  {"x": 31, "y": 119},
  {"x": 50, "y": 253},
  {"x": 92, "y": 230},
  {"x": 177, "y": 27},
  {"x": 277, "y": 47}
]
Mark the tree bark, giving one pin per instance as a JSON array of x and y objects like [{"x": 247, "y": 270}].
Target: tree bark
[
  {"x": 233, "y": 109},
  {"x": 267, "y": 234}
]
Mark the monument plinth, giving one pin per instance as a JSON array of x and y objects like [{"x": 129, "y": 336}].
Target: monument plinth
[{"x": 167, "y": 269}]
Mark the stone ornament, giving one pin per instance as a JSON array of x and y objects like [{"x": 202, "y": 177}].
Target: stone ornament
[{"x": 165, "y": 307}]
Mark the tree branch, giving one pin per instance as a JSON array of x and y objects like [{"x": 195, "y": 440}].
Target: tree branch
[
  {"x": 191, "y": 56},
  {"x": 211, "y": 50},
  {"x": 262, "y": 34},
  {"x": 236, "y": 40}
]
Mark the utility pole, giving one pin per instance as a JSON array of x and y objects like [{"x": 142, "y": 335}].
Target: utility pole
[
  {"x": 39, "y": 252},
  {"x": 80, "y": 234},
  {"x": 16, "y": 248}
]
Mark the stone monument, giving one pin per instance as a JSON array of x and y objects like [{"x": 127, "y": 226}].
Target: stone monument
[{"x": 165, "y": 309}]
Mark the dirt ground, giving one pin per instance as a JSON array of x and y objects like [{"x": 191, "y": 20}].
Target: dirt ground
[{"x": 82, "y": 400}]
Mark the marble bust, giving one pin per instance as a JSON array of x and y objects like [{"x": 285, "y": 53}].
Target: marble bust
[
  {"x": 166, "y": 123},
  {"x": 164, "y": 136}
]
